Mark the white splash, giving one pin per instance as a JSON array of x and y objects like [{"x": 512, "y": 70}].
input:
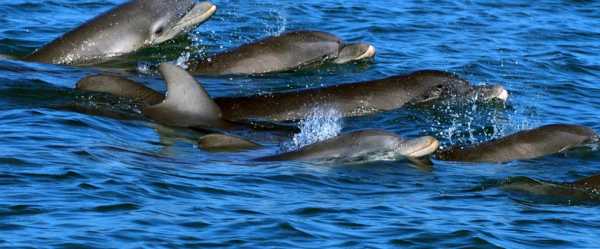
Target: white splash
[
  {"x": 275, "y": 23},
  {"x": 144, "y": 68},
  {"x": 321, "y": 124},
  {"x": 183, "y": 59}
]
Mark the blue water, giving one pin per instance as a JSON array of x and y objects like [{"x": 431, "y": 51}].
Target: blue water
[{"x": 73, "y": 180}]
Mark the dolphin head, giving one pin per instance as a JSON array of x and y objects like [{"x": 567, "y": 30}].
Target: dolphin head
[
  {"x": 434, "y": 93},
  {"x": 124, "y": 29},
  {"x": 170, "y": 18},
  {"x": 355, "y": 52},
  {"x": 143, "y": 23},
  {"x": 488, "y": 93},
  {"x": 418, "y": 147},
  {"x": 439, "y": 92},
  {"x": 433, "y": 85},
  {"x": 439, "y": 86}
]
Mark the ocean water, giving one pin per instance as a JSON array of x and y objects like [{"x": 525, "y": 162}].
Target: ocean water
[{"x": 76, "y": 180}]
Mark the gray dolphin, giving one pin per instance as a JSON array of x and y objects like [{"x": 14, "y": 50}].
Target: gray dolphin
[
  {"x": 357, "y": 99},
  {"x": 352, "y": 99},
  {"x": 528, "y": 144},
  {"x": 286, "y": 52},
  {"x": 365, "y": 144},
  {"x": 585, "y": 189},
  {"x": 124, "y": 29}
]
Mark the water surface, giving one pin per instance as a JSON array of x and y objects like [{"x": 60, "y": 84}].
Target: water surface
[{"x": 72, "y": 180}]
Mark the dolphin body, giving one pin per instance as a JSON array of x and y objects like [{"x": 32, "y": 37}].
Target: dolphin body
[
  {"x": 187, "y": 103},
  {"x": 124, "y": 29},
  {"x": 354, "y": 147},
  {"x": 289, "y": 51},
  {"x": 528, "y": 144},
  {"x": 365, "y": 144}
]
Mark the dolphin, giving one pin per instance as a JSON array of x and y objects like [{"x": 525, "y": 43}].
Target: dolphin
[
  {"x": 124, "y": 29},
  {"x": 289, "y": 51},
  {"x": 585, "y": 189},
  {"x": 184, "y": 94},
  {"x": 591, "y": 182},
  {"x": 365, "y": 144},
  {"x": 528, "y": 144},
  {"x": 356, "y": 99}
]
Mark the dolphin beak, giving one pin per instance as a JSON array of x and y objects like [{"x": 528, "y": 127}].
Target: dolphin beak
[
  {"x": 423, "y": 146},
  {"x": 355, "y": 52},
  {"x": 490, "y": 92},
  {"x": 199, "y": 13},
  {"x": 368, "y": 54},
  {"x": 499, "y": 92},
  {"x": 503, "y": 95}
]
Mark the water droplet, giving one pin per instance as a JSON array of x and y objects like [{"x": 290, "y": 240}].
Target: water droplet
[{"x": 321, "y": 124}]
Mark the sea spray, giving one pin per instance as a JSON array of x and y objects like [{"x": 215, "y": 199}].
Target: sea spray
[
  {"x": 275, "y": 22},
  {"x": 321, "y": 124},
  {"x": 464, "y": 122},
  {"x": 182, "y": 60}
]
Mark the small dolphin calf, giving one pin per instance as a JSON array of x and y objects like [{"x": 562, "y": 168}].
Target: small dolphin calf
[
  {"x": 352, "y": 99},
  {"x": 124, "y": 29},
  {"x": 529, "y": 144},
  {"x": 286, "y": 52},
  {"x": 366, "y": 144}
]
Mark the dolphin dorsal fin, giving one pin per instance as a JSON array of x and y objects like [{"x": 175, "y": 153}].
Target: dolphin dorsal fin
[{"x": 186, "y": 104}]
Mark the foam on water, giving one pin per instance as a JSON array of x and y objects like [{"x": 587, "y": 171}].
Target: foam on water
[{"x": 275, "y": 23}]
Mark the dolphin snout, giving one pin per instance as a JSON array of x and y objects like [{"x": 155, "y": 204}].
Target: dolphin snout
[
  {"x": 490, "y": 92},
  {"x": 206, "y": 7},
  {"x": 500, "y": 93},
  {"x": 199, "y": 13},
  {"x": 370, "y": 53},
  {"x": 422, "y": 146}
]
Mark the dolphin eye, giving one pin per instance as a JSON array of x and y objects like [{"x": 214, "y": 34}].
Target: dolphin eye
[
  {"x": 436, "y": 90},
  {"x": 159, "y": 30},
  {"x": 440, "y": 89}
]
